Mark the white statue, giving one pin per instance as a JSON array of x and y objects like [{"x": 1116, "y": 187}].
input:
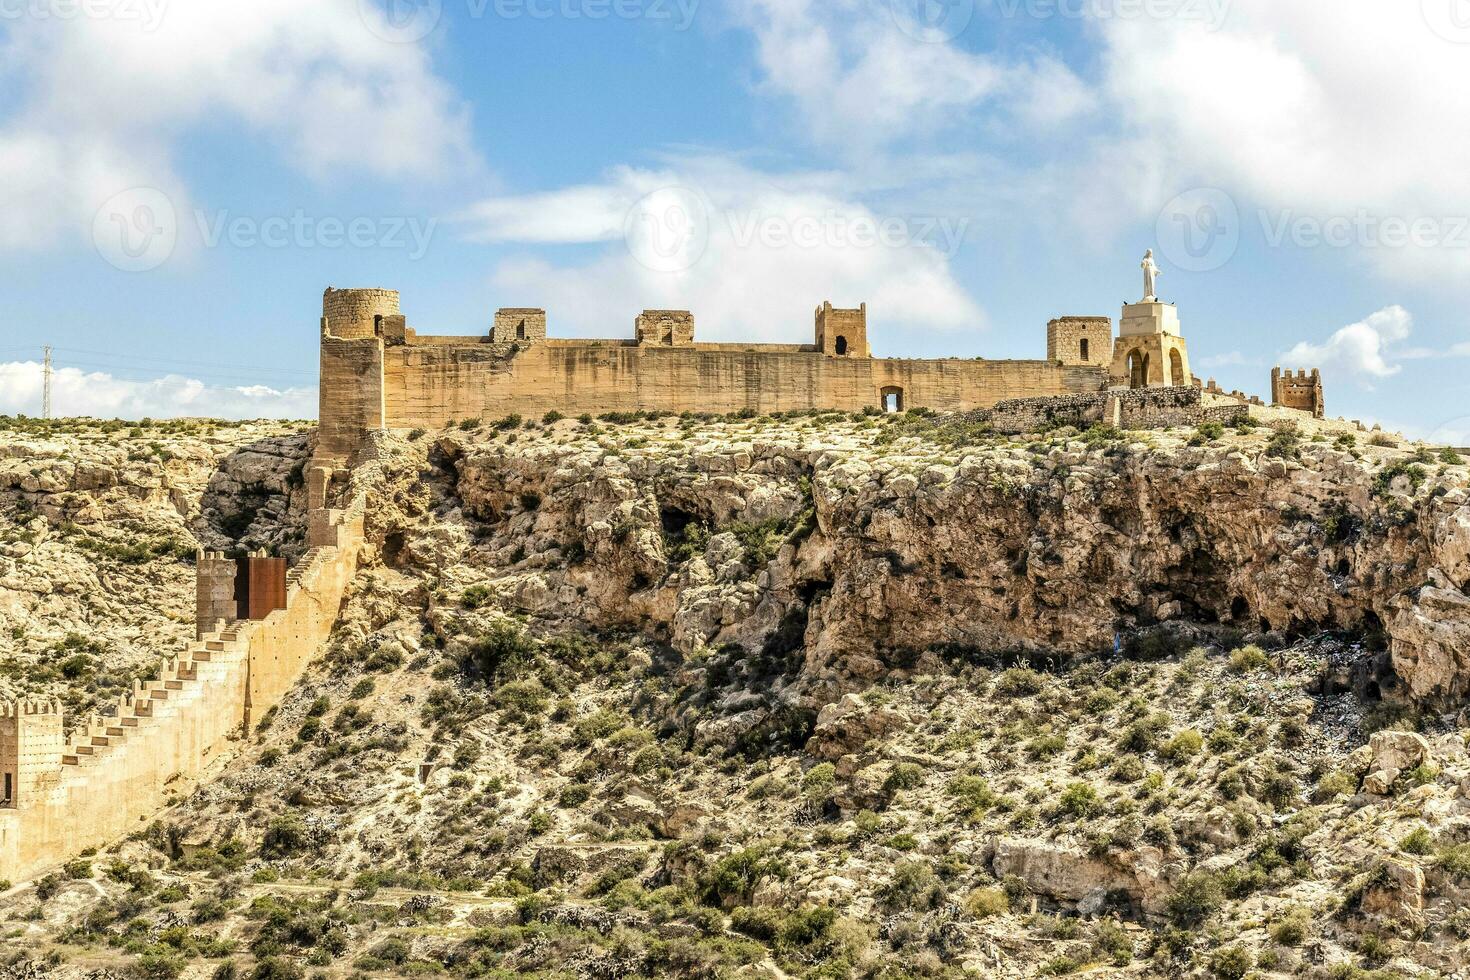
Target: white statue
[{"x": 1150, "y": 278}]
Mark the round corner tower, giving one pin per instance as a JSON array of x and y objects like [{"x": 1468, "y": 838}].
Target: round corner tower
[{"x": 353, "y": 314}]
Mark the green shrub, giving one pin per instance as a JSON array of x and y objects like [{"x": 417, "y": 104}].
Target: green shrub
[
  {"x": 985, "y": 902},
  {"x": 1079, "y": 800},
  {"x": 905, "y": 775},
  {"x": 819, "y": 781},
  {"x": 1198, "y": 897},
  {"x": 283, "y": 837},
  {"x": 1231, "y": 963},
  {"x": 1248, "y": 658},
  {"x": 1417, "y": 841},
  {"x": 1183, "y": 746}
]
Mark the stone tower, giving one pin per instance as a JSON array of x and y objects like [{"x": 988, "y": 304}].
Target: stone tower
[
  {"x": 843, "y": 333},
  {"x": 1085, "y": 341},
  {"x": 518, "y": 326},
  {"x": 1301, "y": 391},
  {"x": 31, "y": 745}
]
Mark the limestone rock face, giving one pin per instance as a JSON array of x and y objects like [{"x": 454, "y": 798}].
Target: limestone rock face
[
  {"x": 1070, "y": 874},
  {"x": 863, "y": 560},
  {"x": 847, "y": 725},
  {"x": 99, "y": 526},
  {"x": 1395, "y": 893},
  {"x": 1398, "y": 750}
]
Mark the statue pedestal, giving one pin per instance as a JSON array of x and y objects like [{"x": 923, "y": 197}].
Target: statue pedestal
[{"x": 1148, "y": 319}]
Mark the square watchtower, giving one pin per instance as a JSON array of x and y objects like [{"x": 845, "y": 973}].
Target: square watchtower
[
  {"x": 518, "y": 325},
  {"x": 31, "y": 744},
  {"x": 843, "y": 333}
]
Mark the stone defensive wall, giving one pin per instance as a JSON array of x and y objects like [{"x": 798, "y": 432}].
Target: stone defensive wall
[
  {"x": 378, "y": 373},
  {"x": 1141, "y": 408},
  {"x": 156, "y": 742},
  {"x": 430, "y": 385}
]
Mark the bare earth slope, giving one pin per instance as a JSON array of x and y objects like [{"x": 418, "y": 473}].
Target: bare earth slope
[{"x": 878, "y": 697}]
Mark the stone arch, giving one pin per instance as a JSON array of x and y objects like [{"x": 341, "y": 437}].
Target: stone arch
[
  {"x": 841, "y": 346},
  {"x": 1137, "y": 369},
  {"x": 1083, "y": 349},
  {"x": 891, "y": 399},
  {"x": 1176, "y": 368}
]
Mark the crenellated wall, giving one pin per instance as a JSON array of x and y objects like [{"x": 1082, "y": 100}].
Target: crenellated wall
[{"x": 159, "y": 739}]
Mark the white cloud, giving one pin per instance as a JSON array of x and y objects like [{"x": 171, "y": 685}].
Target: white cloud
[
  {"x": 1305, "y": 113},
  {"x": 860, "y": 82},
  {"x": 751, "y": 253},
  {"x": 1364, "y": 349},
  {"x": 98, "y": 394},
  {"x": 101, "y": 102}
]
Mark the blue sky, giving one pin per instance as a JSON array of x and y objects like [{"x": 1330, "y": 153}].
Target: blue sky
[{"x": 970, "y": 168}]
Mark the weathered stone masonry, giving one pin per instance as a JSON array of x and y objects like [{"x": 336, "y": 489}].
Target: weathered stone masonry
[{"x": 160, "y": 738}]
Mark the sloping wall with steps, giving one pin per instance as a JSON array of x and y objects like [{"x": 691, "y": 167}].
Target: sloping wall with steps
[{"x": 122, "y": 768}]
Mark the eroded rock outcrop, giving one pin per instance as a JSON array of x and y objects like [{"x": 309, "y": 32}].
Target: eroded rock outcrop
[{"x": 890, "y": 554}]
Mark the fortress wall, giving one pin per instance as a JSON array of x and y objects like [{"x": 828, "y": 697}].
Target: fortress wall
[
  {"x": 1139, "y": 408},
  {"x": 351, "y": 395},
  {"x": 431, "y": 386},
  {"x": 156, "y": 745}
]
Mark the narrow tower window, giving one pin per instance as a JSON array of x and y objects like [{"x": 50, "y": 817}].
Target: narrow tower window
[{"x": 1084, "y": 348}]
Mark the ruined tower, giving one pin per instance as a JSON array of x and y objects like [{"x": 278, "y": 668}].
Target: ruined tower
[
  {"x": 1301, "y": 391},
  {"x": 843, "y": 333}
]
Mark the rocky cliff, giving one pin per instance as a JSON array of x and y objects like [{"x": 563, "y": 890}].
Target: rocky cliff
[{"x": 835, "y": 696}]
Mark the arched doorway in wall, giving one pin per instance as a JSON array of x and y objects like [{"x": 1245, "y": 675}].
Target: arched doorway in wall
[
  {"x": 1082, "y": 349},
  {"x": 1176, "y": 369},
  {"x": 841, "y": 346},
  {"x": 1137, "y": 369},
  {"x": 891, "y": 398},
  {"x": 520, "y": 331}
]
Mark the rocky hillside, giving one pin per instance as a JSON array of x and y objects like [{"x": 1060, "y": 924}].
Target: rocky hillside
[
  {"x": 99, "y": 526},
  {"x": 832, "y": 696}
]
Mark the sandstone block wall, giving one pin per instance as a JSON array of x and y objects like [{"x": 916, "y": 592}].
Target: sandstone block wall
[
  {"x": 163, "y": 736},
  {"x": 1086, "y": 340},
  {"x": 1144, "y": 408},
  {"x": 1301, "y": 391},
  {"x": 214, "y": 592},
  {"x": 352, "y": 313},
  {"x": 431, "y": 386},
  {"x": 664, "y": 328},
  {"x": 843, "y": 333}
]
